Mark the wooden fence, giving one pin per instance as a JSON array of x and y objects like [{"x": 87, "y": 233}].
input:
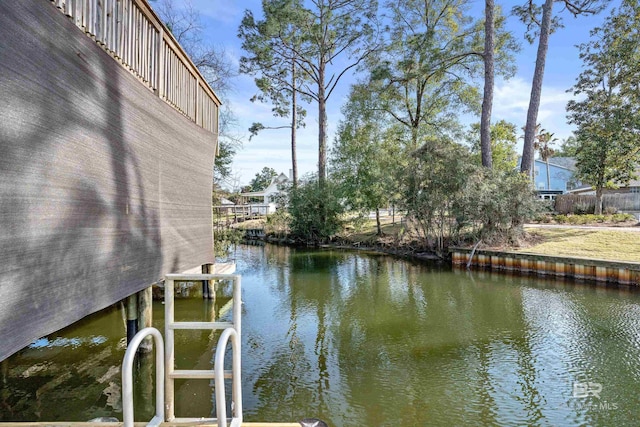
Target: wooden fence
[
  {"x": 626, "y": 202},
  {"x": 134, "y": 35}
]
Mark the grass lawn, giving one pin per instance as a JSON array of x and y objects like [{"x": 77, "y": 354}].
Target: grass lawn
[
  {"x": 595, "y": 243},
  {"x": 367, "y": 232},
  {"x": 598, "y": 244}
]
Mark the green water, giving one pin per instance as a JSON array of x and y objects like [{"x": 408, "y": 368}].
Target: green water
[{"x": 367, "y": 340}]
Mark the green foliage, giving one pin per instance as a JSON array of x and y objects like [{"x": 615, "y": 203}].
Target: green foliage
[
  {"x": 503, "y": 145},
  {"x": 226, "y": 238},
  {"x": 622, "y": 217},
  {"x": 269, "y": 59},
  {"x": 530, "y": 14},
  {"x": 364, "y": 154},
  {"x": 568, "y": 148},
  {"x": 457, "y": 198},
  {"x": 278, "y": 224},
  {"x": 495, "y": 204},
  {"x": 582, "y": 219},
  {"x": 608, "y": 116},
  {"x": 262, "y": 179},
  {"x": 422, "y": 70},
  {"x": 315, "y": 211},
  {"x": 322, "y": 40}
]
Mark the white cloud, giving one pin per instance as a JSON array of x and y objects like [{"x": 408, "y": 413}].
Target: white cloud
[{"x": 511, "y": 102}]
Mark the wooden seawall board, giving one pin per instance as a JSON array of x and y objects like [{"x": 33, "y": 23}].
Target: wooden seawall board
[{"x": 602, "y": 271}]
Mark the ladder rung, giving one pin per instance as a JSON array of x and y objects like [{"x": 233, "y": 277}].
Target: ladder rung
[
  {"x": 200, "y": 325},
  {"x": 192, "y": 374}
]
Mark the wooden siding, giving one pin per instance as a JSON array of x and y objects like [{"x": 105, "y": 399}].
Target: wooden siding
[
  {"x": 104, "y": 187},
  {"x": 134, "y": 35}
]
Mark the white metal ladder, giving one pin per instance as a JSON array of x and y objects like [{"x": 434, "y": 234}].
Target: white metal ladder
[
  {"x": 165, "y": 372},
  {"x": 231, "y": 331}
]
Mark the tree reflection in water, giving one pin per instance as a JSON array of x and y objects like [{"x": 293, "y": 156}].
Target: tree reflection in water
[
  {"x": 374, "y": 340},
  {"x": 359, "y": 339}
]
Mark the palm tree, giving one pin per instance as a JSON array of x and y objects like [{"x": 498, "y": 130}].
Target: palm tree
[{"x": 542, "y": 144}]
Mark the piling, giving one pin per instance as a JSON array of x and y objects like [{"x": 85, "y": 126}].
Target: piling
[
  {"x": 145, "y": 317},
  {"x": 132, "y": 316},
  {"x": 208, "y": 287}
]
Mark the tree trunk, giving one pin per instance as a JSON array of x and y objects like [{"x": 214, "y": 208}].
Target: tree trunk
[
  {"x": 487, "y": 100},
  {"x": 322, "y": 127},
  {"x": 536, "y": 88},
  {"x": 598, "y": 209},
  {"x": 294, "y": 119},
  {"x": 378, "y": 222}
]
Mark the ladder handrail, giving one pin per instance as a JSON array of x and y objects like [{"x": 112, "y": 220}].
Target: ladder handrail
[
  {"x": 230, "y": 330},
  {"x": 236, "y": 383},
  {"x": 127, "y": 377}
]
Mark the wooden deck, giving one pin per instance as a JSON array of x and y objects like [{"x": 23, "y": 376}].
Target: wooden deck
[{"x": 137, "y": 424}]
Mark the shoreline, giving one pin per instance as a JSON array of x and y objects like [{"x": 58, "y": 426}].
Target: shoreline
[{"x": 581, "y": 269}]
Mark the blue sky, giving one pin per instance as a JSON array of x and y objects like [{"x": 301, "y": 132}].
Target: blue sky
[{"x": 271, "y": 148}]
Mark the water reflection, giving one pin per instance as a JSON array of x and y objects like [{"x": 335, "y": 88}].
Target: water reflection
[
  {"x": 372, "y": 340},
  {"x": 362, "y": 339}
]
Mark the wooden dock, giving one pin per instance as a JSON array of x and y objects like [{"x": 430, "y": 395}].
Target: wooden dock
[{"x": 137, "y": 424}]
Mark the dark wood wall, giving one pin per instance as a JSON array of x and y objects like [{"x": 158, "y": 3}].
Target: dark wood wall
[{"x": 104, "y": 188}]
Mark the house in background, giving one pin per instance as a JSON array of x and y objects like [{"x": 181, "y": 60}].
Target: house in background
[
  {"x": 561, "y": 177},
  {"x": 264, "y": 201},
  {"x": 632, "y": 188}
]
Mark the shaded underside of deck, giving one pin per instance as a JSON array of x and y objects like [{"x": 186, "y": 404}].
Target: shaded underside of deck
[{"x": 104, "y": 187}]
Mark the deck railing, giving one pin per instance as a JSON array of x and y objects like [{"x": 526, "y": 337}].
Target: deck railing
[{"x": 134, "y": 35}]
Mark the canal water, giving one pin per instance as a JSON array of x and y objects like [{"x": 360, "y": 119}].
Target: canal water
[{"x": 366, "y": 340}]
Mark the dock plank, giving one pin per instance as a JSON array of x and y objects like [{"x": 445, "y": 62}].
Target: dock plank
[{"x": 137, "y": 424}]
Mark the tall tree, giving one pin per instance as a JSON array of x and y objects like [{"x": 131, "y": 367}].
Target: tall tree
[
  {"x": 335, "y": 36},
  {"x": 503, "y": 145},
  {"x": 608, "y": 118},
  {"x": 364, "y": 155},
  {"x": 568, "y": 147},
  {"x": 278, "y": 77},
  {"x": 487, "y": 99},
  {"x": 423, "y": 74},
  {"x": 423, "y": 71},
  {"x": 529, "y": 13},
  {"x": 262, "y": 179}
]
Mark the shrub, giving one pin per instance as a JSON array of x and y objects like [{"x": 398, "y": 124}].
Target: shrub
[
  {"x": 315, "y": 211},
  {"x": 561, "y": 219},
  {"x": 577, "y": 219},
  {"x": 622, "y": 217},
  {"x": 610, "y": 210},
  {"x": 278, "y": 223},
  {"x": 544, "y": 218},
  {"x": 225, "y": 238}
]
